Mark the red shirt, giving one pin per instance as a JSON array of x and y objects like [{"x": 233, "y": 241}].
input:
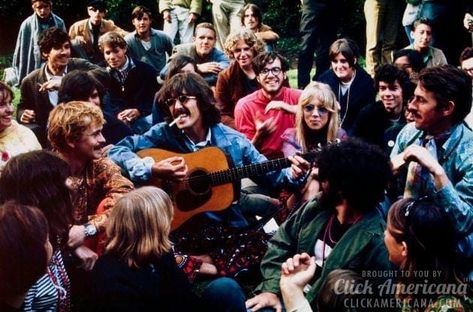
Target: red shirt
[{"x": 254, "y": 105}]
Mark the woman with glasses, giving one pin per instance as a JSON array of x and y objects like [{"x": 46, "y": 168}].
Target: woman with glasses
[
  {"x": 317, "y": 123},
  {"x": 420, "y": 241}
]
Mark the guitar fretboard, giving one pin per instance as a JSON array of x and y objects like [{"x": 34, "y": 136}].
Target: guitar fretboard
[{"x": 234, "y": 174}]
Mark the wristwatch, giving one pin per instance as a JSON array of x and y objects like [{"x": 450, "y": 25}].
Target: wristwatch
[{"x": 89, "y": 230}]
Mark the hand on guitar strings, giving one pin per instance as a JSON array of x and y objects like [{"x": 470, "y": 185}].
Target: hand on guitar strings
[{"x": 172, "y": 168}]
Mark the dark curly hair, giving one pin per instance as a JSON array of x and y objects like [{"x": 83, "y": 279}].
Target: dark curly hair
[
  {"x": 356, "y": 171},
  {"x": 390, "y": 74},
  {"x": 52, "y": 38},
  {"x": 190, "y": 84},
  {"x": 78, "y": 85}
]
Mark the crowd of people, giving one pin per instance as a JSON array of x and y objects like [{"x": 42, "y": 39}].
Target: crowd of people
[{"x": 143, "y": 175}]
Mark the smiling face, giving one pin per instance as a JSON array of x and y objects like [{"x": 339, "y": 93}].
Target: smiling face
[
  {"x": 316, "y": 116},
  {"x": 188, "y": 109},
  {"x": 204, "y": 41},
  {"x": 6, "y": 110},
  {"x": 243, "y": 53},
  {"x": 42, "y": 9},
  {"x": 342, "y": 68},
  {"x": 59, "y": 56},
  {"x": 114, "y": 56},
  {"x": 422, "y": 36},
  {"x": 142, "y": 25},
  {"x": 90, "y": 145},
  {"x": 250, "y": 20},
  {"x": 271, "y": 77},
  {"x": 391, "y": 96}
]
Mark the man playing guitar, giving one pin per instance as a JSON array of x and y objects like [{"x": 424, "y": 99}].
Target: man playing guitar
[{"x": 188, "y": 100}]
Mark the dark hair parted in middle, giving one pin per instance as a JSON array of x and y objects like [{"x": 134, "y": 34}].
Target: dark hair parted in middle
[
  {"x": 355, "y": 171},
  {"x": 190, "y": 84}
]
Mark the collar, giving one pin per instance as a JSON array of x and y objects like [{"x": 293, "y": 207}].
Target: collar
[
  {"x": 50, "y": 76},
  {"x": 199, "y": 145}
]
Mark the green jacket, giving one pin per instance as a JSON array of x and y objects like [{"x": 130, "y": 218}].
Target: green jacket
[{"x": 360, "y": 249}]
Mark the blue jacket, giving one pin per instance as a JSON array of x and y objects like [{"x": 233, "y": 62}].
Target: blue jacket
[
  {"x": 234, "y": 144},
  {"x": 455, "y": 156}
]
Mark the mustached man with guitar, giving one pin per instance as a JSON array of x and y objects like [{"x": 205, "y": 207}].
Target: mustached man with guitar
[{"x": 200, "y": 181}]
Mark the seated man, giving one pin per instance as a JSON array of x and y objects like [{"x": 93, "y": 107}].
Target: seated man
[
  {"x": 265, "y": 114},
  {"x": 422, "y": 35},
  {"x": 85, "y": 33},
  {"x": 409, "y": 60},
  {"x": 27, "y": 56},
  {"x": 75, "y": 133},
  {"x": 209, "y": 60},
  {"x": 380, "y": 122},
  {"x": 341, "y": 227},
  {"x": 438, "y": 146},
  {"x": 80, "y": 85},
  {"x": 187, "y": 99},
  {"x": 252, "y": 19},
  {"x": 133, "y": 84},
  {"x": 147, "y": 44},
  {"x": 39, "y": 90}
]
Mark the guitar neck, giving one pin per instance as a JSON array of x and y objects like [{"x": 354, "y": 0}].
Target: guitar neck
[{"x": 234, "y": 174}]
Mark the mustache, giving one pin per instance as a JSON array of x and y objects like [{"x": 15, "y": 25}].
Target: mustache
[{"x": 177, "y": 112}]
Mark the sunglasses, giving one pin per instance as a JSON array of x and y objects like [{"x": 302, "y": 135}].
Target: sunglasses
[
  {"x": 309, "y": 108},
  {"x": 181, "y": 98},
  {"x": 97, "y": 9}
]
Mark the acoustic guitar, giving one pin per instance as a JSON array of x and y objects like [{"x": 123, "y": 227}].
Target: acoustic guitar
[{"x": 208, "y": 186}]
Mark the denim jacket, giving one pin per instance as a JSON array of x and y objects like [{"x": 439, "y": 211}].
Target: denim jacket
[
  {"x": 455, "y": 156},
  {"x": 235, "y": 145}
]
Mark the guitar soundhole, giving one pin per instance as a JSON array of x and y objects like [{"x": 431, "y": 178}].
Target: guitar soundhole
[
  {"x": 199, "y": 192},
  {"x": 199, "y": 182}
]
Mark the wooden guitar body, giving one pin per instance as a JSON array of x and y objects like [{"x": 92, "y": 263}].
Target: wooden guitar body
[{"x": 196, "y": 193}]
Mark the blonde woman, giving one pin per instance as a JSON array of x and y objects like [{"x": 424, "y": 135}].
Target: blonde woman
[
  {"x": 138, "y": 271},
  {"x": 317, "y": 123}
]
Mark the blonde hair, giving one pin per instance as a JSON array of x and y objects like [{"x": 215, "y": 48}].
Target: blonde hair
[
  {"x": 246, "y": 35},
  {"x": 67, "y": 122},
  {"x": 327, "y": 99},
  {"x": 139, "y": 226}
]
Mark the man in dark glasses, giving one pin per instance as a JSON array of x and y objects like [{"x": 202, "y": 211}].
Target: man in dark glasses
[
  {"x": 85, "y": 33},
  {"x": 193, "y": 123}
]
